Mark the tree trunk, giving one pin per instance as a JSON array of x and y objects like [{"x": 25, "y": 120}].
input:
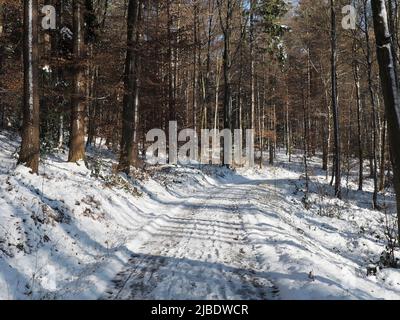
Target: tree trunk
[
  {"x": 305, "y": 141},
  {"x": 390, "y": 92},
  {"x": 226, "y": 62},
  {"x": 335, "y": 112},
  {"x": 77, "y": 129},
  {"x": 359, "y": 127},
  {"x": 128, "y": 155},
  {"x": 195, "y": 78},
  {"x": 2, "y": 54},
  {"x": 1, "y": 18},
  {"x": 393, "y": 13},
  {"x": 252, "y": 65},
  {"x": 226, "y": 27},
  {"x": 217, "y": 80},
  {"x": 30, "y": 146},
  {"x": 374, "y": 111},
  {"x": 59, "y": 71},
  {"x": 92, "y": 103},
  {"x": 328, "y": 129},
  {"x": 171, "y": 90},
  {"x": 272, "y": 129},
  {"x": 288, "y": 137},
  {"x": 92, "y": 70},
  {"x": 207, "y": 91},
  {"x": 383, "y": 156}
]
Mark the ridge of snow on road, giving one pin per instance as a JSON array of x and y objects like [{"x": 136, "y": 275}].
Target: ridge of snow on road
[
  {"x": 185, "y": 233},
  {"x": 201, "y": 251}
]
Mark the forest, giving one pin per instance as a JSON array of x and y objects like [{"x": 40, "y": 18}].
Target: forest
[{"x": 110, "y": 189}]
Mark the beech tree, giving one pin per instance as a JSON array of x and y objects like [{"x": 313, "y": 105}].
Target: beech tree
[
  {"x": 335, "y": 110},
  {"x": 387, "y": 68},
  {"x": 30, "y": 146},
  {"x": 129, "y": 151},
  {"x": 77, "y": 129},
  {"x": 369, "y": 62}
]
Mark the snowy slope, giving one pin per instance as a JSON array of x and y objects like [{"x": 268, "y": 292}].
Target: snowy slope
[{"x": 184, "y": 233}]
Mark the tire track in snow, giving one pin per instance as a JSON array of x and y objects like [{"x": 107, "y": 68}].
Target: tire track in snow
[{"x": 202, "y": 252}]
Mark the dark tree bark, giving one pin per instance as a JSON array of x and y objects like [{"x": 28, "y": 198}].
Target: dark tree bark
[
  {"x": 92, "y": 70},
  {"x": 393, "y": 12},
  {"x": 2, "y": 56},
  {"x": 103, "y": 22},
  {"x": 77, "y": 129},
  {"x": 1, "y": 19},
  {"x": 58, "y": 76},
  {"x": 252, "y": 65},
  {"x": 374, "y": 111},
  {"x": 225, "y": 22},
  {"x": 335, "y": 111},
  {"x": 383, "y": 156},
  {"x": 30, "y": 147},
  {"x": 226, "y": 61},
  {"x": 288, "y": 140},
  {"x": 171, "y": 90},
  {"x": 387, "y": 71},
  {"x": 327, "y": 130},
  {"x": 359, "y": 127},
  {"x": 128, "y": 156},
  {"x": 207, "y": 93},
  {"x": 305, "y": 142},
  {"x": 195, "y": 72},
  {"x": 1, "y": 28}
]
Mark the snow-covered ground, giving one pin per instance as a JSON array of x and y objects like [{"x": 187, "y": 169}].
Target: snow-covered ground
[{"x": 186, "y": 233}]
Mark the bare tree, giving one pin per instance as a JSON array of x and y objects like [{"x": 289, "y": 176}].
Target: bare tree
[
  {"x": 387, "y": 70},
  {"x": 373, "y": 105},
  {"x": 30, "y": 146},
  {"x": 77, "y": 129},
  {"x": 356, "y": 71},
  {"x": 128, "y": 154},
  {"x": 335, "y": 111},
  {"x": 252, "y": 64},
  {"x": 225, "y": 17}
]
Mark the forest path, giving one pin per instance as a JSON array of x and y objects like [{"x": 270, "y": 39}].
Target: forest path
[{"x": 199, "y": 250}]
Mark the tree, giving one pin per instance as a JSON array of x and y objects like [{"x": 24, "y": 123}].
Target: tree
[
  {"x": 335, "y": 110},
  {"x": 128, "y": 154},
  {"x": 2, "y": 49},
  {"x": 91, "y": 26},
  {"x": 226, "y": 27},
  {"x": 356, "y": 70},
  {"x": 369, "y": 61},
  {"x": 252, "y": 64},
  {"x": 77, "y": 129},
  {"x": 30, "y": 146},
  {"x": 1, "y": 19},
  {"x": 387, "y": 71}
]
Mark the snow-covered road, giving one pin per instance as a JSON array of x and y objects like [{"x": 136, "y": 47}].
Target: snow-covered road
[
  {"x": 200, "y": 250},
  {"x": 248, "y": 236}
]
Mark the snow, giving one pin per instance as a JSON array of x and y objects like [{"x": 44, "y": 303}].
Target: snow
[
  {"x": 174, "y": 232},
  {"x": 46, "y": 68}
]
